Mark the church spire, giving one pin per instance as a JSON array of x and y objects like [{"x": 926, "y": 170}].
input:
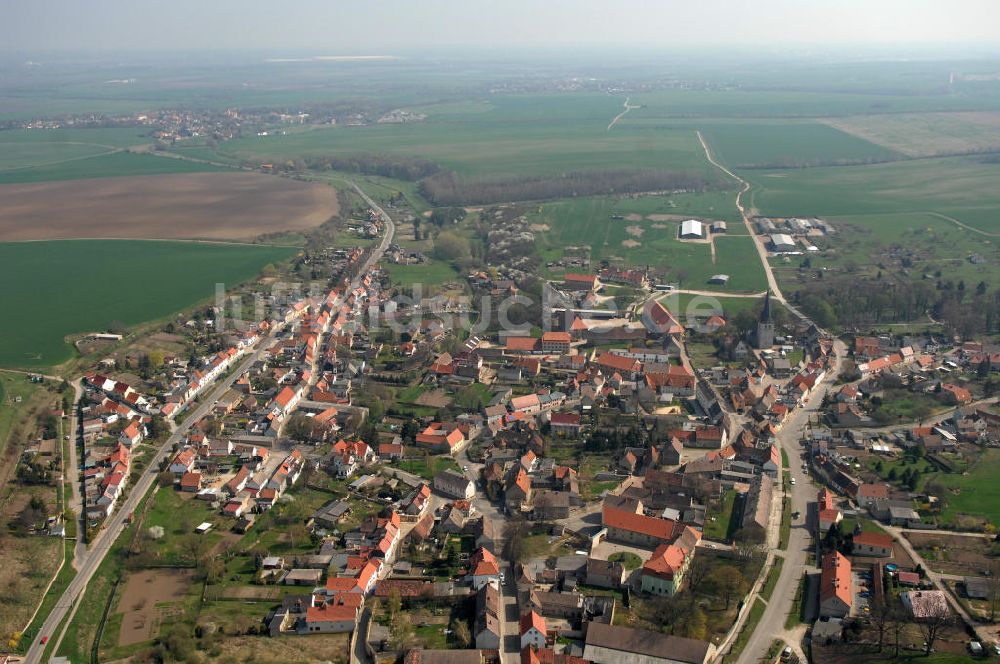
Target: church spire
[{"x": 765, "y": 314}]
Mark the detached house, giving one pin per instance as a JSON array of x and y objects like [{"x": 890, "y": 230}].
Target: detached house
[{"x": 454, "y": 484}]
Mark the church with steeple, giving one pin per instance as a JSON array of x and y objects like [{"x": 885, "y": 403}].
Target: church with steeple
[{"x": 764, "y": 335}]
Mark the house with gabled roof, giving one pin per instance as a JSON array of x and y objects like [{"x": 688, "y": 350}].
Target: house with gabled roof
[
  {"x": 836, "y": 589},
  {"x": 533, "y": 632}
]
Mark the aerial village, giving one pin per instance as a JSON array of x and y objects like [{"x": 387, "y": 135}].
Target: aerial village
[{"x": 587, "y": 492}]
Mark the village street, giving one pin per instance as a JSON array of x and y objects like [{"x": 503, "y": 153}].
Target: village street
[
  {"x": 772, "y": 623},
  {"x": 99, "y": 548}
]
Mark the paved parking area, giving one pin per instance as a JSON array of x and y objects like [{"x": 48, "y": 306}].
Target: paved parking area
[{"x": 862, "y": 594}]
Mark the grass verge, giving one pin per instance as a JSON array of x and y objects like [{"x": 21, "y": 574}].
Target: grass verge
[{"x": 772, "y": 579}]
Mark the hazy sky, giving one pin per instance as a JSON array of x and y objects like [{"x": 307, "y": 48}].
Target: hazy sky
[{"x": 384, "y": 26}]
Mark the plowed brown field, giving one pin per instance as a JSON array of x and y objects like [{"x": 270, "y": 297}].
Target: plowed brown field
[{"x": 210, "y": 206}]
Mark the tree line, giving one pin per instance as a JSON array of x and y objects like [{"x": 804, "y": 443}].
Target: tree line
[
  {"x": 397, "y": 167},
  {"x": 964, "y": 310},
  {"x": 448, "y": 188}
]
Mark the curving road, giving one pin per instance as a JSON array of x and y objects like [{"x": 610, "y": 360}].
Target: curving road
[{"x": 772, "y": 622}]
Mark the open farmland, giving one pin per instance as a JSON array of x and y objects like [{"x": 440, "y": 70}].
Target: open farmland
[
  {"x": 961, "y": 187},
  {"x": 53, "y": 289},
  {"x": 105, "y": 165},
  {"x": 217, "y": 206},
  {"x": 789, "y": 145},
  {"x": 927, "y": 134},
  {"x": 802, "y": 103},
  {"x": 515, "y": 136}
]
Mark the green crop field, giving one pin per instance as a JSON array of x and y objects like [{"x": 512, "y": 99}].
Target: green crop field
[
  {"x": 514, "y": 136},
  {"x": 112, "y": 137},
  {"x": 803, "y": 103},
  {"x": 26, "y": 149},
  {"x": 117, "y": 164},
  {"x": 789, "y": 144},
  {"x": 911, "y": 186},
  {"x": 57, "y": 288}
]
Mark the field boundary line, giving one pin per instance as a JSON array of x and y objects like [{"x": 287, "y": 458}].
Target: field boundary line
[{"x": 962, "y": 224}]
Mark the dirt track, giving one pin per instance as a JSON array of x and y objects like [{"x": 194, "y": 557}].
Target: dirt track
[{"x": 211, "y": 206}]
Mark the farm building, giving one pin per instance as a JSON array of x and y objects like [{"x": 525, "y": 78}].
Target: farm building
[
  {"x": 719, "y": 227},
  {"x": 719, "y": 279},
  {"x": 581, "y": 282},
  {"x": 782, "y": 242},
  {"x": 692, "y": 230}
]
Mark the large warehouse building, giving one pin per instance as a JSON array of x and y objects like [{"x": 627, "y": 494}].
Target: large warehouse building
[{"x": 692, "y": 229}]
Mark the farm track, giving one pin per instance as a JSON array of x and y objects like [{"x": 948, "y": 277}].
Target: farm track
[
  {"x": 44, "y": 164},
  {"x": 628, "y": 107},
  {"x": 771, "y": 622},
  {"x": 962, "y": 224},
  {"x": 758, "y": 243}
]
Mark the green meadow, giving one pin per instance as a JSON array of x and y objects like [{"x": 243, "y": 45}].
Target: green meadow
[{"x": 58, "y": 288}]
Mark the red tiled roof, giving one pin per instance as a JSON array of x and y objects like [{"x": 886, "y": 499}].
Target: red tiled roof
[
  {"x": 874, "y": 539},
  {"x": 835, "y": 580},
  {"x": 532, "y": 619},
  {"x": 638, "y": 523},
  {"x": 665, "y": 561},
  {"x": 873, "y": 491},
  {"x": 523, "y": 343},
  {"x": 330, "y": 613},
  {"x": 563, "y": 337}
]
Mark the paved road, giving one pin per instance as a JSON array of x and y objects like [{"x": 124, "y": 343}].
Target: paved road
[
  {"x": 757, "y": 240},
  {"x": 116, "y": 523},
  {"x": 772, "y": 623}
]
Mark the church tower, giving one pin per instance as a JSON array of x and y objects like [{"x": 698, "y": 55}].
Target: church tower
[{"x": 764, "y": 337}]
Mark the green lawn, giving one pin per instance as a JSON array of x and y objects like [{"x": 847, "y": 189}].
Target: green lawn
[
  {"x": 628, "y": 559},
  {"x": 718, "y": 524},
  {"x": 82, "y": 630},
  {"x": 975, "y": 493},
  {"x": 785, "y": 533},
  {"x": 58, "y": 288},
  {"x": 795, "y": 614},
  {"x": 103, "y": 166},
  {"x": 433, "y": 273},
  {"x": 772, "y": 579},
  {"x": 427, "y": 468}
]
